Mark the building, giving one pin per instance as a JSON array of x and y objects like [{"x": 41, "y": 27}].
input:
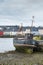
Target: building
[
  {"x": 40, "y": 30},
  {"x": 34, "y": 30}
]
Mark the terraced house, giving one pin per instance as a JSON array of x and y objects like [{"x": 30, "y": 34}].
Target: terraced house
[{"x": 15, "y": 29}]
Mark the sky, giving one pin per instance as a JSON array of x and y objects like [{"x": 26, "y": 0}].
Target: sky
[{"x": 15, "y": 12}]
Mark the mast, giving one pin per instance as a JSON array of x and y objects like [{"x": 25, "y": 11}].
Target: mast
[
  {"x": 32, "y": 24},
  {"x": 20, "y": 29},
  {"x": 32, "y": 21}
]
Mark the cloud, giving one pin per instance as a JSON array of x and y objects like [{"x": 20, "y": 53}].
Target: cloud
[{"x": 21, "y": 10}]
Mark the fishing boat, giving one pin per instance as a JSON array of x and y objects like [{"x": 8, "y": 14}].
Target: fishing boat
[{"x": 24, "y": 40}]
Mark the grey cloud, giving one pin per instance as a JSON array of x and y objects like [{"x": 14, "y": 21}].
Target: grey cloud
[{"x": 21, "y": 9}]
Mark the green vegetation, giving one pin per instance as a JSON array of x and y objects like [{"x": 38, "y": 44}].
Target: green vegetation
[
  {"x": 28, "y": 50},
  {"x": 37, "y": 38},
  {"x": 15, "y": 64},
  {"x": 24, "y": 49},
  {"x": 41, "y": 38},
  {"x": 22, "y": 59},
  {"x": 39, "y": 63}
]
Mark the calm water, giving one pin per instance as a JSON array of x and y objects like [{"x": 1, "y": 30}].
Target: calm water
[{"x": 6, "y": 44}]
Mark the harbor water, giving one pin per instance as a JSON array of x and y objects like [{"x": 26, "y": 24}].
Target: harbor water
[{"x": 6, "y": 44}]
